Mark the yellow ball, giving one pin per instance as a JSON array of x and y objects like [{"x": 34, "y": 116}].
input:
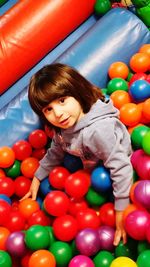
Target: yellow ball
[{"x": 123, "y": 262}]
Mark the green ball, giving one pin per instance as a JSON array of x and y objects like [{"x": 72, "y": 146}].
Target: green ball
[
  {"x": 103, "y": 259},
  {"x": 37, "y": 237},
  {"x": 127, "y": 250},
  {"x": 137, "y": 136},
  {"x": 14, "y": 170},
  {"x": 5, "y": 259},
  {"x": 142, "y": 246},
  {"x": 3, "y": 2},
  {"x": 129, "y": 76},
  {"x": 102, "y": 7},
  {"x": 146, "y": 142},
  {"x": 94, "y": 198},
  {"x": 143, "y": 259},
  {"x": 52, "y": 238},
  {"x": 116, "y": 84},
  {"x": 62, "y": 253}
]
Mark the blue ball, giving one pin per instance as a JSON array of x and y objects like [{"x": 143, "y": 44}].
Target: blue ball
[
  {"x": 6, "y": 198},
  {"x": 100, "y": 179},
  {"x": 72, "y": 163},
  {"x": 140, "y": 90},
  {"x": 45, "y": 187}
]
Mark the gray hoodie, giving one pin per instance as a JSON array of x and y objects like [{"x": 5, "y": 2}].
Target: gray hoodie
[{"x": 99, "y": 135}]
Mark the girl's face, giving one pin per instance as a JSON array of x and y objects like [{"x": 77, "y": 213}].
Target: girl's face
[{"x": 63, "y": 112}]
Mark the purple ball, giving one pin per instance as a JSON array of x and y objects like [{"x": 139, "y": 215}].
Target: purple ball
[
  {"x": 15, "y": 244},
  {"x": 87, "y": 242},
  {"x": 81, "y": 261},
  {"x": 142, "y": 193},
  {"x": 106, "y": 236}
]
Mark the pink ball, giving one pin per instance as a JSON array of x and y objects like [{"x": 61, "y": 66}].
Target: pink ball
[
  {"x": 143, "y": 167},
  {"x": 106, "y": 236},
  {"x": 136, "y": 224},
  {"x": 135, "y": 157},
  {"x": 142, "y": 193},
  {"x": 81, "y": 261}
]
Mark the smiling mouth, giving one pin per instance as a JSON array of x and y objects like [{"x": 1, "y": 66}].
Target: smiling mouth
[{"x": 65, "y": 121}]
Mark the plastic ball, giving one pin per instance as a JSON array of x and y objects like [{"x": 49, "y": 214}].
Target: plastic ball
[
  {"x": 87, "y": 242},
  {"x": 127, "y": 250},
  {"x": 7, "y": 186},
  {"x": 65, "y": 227},
  {"x": 15, "y": 221},
  {"x": 95, "y": 198},
  {"x": 142, "y": 193},
  {"x": 22, "y": 149},
  {"x": 102, "y": 7},
  {"x": 144, "y": 259},
  {"x": 130, "y": 114},
  {"x": 37, "y": 138},
  {"x": 120, "y": 98},
  {"x": 103, "y": 259},
  {"x": 139, "y": 90},
  {"x": 88, "y": 219},
  {"x": 72, "y": 163},
  {"x": 107, "y": 214},
  {"x": 145, "y": 48},
  {"x": 140, "y": 62},
  {"x": 118, "y": 70},
  {"x": 135, "y": 157},
  {"x": 15, "y": 244},
  {"x": 22, "y": 185},
  {"x": 2, "y": 173},
  {"x": 5, "y": 259},
  {"x": 56, "y": 203},
  {"x": 5, "y": 208},
  {"x": 27, "y": 207},
  {"x": 39, "y": 153},
  {"x": 29, "y": 166},
  {"x": 81, "y": 261},
  {"x": 137, "y": 76},
  {"x": 143, "y": 167},
  {"x": 42, "y": 258},
  {"x": 77, "y": 205},
  {"x": 14, "y": 170},
  {"x": 37, "y": 237},
  {"x": 106, "y": 236},
  {"x": 45, "y": 187},
  {"x": 57, "y": 177},
  {"x": 116, "y": 84},
  {"x": 6, "y": 198},
  {"x": 136, "y": 224},
  {"x": 4, "y": 233},
  {"x": 39, "y": 217},
  {"x": 142, "y": 246},
  {"x": 62, "y": 252},
  {"x": 7, "y": 157},
  {"x": 77, "y": 184},
  {"x": 100, "y": 179},
  {"x": 146, "y": 142},
  {"x": 137, "y": 136},
  {"x": 123, "y": 262}
]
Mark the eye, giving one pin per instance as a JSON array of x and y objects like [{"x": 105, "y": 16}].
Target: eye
[
  {"x": 62, "y": 100},
  {"x": 48, "y": 109}
]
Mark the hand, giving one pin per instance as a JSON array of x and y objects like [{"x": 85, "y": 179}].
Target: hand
[
  {"x": 120, "y": 231},
  {"x": 33, "y": 190}
]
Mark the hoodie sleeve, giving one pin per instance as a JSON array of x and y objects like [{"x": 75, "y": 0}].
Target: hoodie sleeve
[
  {"x": 112, "y": 145},
  {"x": 52, "y": 158}
]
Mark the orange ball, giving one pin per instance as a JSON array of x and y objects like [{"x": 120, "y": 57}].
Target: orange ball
[
  {"x": 146, "y": 109},
  {"x": 145, "y": 49},
  {"x": 2, "y": 173},
  {"x": 132, "y": 192},
  {"x": 130, "y": 114},
  {"x": 143, "y": 120},
  {"x": 42, "y": 258},
  {"x": 118, "y": 70},
  {"x": 27, "y": 207},
  {"x": 4, "y": 233},
  {"x": 120, "y": 98},
  {"x": 7, "y": 157},
  {"x": 29, "y": 166},
  {"x": 128, "y": 210},
  {"x": 140, "y": 62}
]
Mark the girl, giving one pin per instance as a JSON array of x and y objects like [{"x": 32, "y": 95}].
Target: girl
[{"x": 86, "y": 126}]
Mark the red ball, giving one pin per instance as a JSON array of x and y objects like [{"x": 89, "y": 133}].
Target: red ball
[
  {"x": 138, "y": 76},
  {"x": 38, "y": 217},
  {"x": 15, "y": 221},
  {"x": 22, "y": 185},
  {"x": 77, "y": 205},
  {"x": 77, "y": 184},
  {"x": 56, "y": 203},
  {"x": 58, "y": 176},
  {"x": 38, "y": 138},
  {"x": 107, "y": 214},
  {"x": 29, "y": 166},
  {"x": 88, "y": 219},
  {"x": 65, "y": 228},
  {"x": 7, "y": 186},
  {"x": 4, "y": 211},
  {"x": 22, "y": 149},
  {"x": 7, "y": 157},
  {"x": 39, "y": 153}
]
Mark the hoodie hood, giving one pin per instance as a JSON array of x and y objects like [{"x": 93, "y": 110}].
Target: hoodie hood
[{"x": 99, "y": 111}]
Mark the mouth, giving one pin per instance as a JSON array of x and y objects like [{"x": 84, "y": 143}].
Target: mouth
[{"x": 64, "y": 122}]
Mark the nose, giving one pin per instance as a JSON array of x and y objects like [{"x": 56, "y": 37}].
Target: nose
[{"x": 58, "y": 111}]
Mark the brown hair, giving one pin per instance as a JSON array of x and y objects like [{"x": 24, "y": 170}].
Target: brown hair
[{"x": 57, "y": 80}]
